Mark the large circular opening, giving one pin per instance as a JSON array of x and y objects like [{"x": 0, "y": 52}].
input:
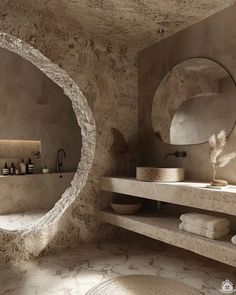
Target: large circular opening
[{"x": 67, "y": 106}]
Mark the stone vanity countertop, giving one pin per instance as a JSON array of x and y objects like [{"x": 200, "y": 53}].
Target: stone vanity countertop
[{"x": 186, "y": 193}]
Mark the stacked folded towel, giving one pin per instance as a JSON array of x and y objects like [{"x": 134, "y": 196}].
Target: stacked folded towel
[
  {"x": 204, "y": 225},
  {"x": 233, "y": 240}
]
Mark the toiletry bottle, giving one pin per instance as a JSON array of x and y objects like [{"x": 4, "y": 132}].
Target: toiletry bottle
[
  {"x": 30, "y": 167},
  {"x": 22, "y": 167},
  {"x": 17, "y": 170},
  {"x": 12, "y": 169},
  {"x": 5, "y": 170}
]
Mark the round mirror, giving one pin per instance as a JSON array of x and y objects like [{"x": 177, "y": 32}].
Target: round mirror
[
  {"x": 194, "y": 100},
  {"x": 40, "y": 142}
]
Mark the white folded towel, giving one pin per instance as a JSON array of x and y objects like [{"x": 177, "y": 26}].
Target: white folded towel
[
  {"x": 204, "y": 232},
  {"x": 233, "y": 240},
  {"x": 204, "y": 221}
]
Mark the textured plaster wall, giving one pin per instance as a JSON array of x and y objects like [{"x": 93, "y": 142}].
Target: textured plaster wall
[
  {"x": 33, "y": 107},
  {"x": 32, "y": 193},
  {"x": 106, "y": 74},
  {"x": 206, "y": 39}
]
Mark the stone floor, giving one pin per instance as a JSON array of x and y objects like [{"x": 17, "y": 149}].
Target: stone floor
[
  {"x": 74, "y": 272},
  {"x": 19, "y": 221}
]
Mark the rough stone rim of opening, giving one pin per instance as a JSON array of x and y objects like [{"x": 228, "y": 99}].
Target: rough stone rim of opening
[{"x": 84, "y": 118}]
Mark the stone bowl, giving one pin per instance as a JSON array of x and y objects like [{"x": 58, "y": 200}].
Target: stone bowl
[
  {"x": 160, "y": 174},
  {"x": 126, "y": 209}
]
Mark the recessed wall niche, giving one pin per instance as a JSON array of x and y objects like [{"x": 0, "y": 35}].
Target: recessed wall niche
[{"x": 12, "y": 148}]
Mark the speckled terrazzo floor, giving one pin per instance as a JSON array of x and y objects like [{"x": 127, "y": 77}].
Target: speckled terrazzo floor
[{"x": 78, "y": 270}]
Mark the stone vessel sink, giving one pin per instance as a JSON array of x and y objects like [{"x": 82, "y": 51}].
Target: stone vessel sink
[{"x": 159, "y": 174}]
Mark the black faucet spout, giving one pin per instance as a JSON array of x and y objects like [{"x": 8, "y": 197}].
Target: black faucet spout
[
  {"x": 60, "y": 154},
  {"x": 177, "y": 154}
]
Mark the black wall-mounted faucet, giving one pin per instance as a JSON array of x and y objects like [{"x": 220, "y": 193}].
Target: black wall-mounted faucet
[
  {"x": 60, "y": 153},
  {"x": 177, "y": 154}
]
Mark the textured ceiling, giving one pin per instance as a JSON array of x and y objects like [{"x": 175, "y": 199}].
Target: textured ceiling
[{"x": 136, "y": 22}]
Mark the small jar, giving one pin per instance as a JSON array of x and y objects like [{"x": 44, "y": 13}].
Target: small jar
[{"x": 45, "y": 170}]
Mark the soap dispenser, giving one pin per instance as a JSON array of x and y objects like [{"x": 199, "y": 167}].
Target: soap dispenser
[
  {"x": 30, "y": 167},
  {"x": 12, "y": 169},
  {"x": 22, "y": 167}
]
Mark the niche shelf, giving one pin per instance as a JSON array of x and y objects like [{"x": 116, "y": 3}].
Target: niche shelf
[
  {"x": 50, "y": 174},
  {"x": 14, "y": 149}
]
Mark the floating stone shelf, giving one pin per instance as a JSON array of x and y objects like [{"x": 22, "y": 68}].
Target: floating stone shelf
[{"x": 166, "y": 229}]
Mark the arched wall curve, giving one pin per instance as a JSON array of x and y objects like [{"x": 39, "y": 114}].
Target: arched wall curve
[{"x": 27, "y": 238}]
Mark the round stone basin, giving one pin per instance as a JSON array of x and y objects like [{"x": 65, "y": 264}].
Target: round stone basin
[{"x": 159, "y": 174}]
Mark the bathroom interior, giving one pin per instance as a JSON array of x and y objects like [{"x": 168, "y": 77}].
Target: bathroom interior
[{"x": 117, "y": 147}]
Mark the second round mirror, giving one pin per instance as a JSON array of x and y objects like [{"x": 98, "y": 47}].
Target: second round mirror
[{"x": 194, "y": 100}]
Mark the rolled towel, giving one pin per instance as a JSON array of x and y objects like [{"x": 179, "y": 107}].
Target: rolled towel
[
  {"x": 233, "y": 240},
  {"x": 204, "y": 232},
  {"x": 205, "y": 221}
]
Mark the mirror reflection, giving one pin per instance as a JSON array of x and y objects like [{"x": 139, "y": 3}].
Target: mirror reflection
[
  {"x": 40, "y": 142},
  {"x": 194, "y": 100}
]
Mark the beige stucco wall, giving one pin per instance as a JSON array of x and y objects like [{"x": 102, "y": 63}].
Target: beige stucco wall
[
  {"x": 32, "y": 107},
  {"x": 213, "y": 38},
  {"x": 32, "y": 193},
  {"x": 107, "y": 75}
]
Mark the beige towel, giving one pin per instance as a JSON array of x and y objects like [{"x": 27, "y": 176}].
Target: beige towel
[
  {"x": 207, "y": 222},
  {"x": 233, "y": 240},
  {"x": 204, "y": 232}
]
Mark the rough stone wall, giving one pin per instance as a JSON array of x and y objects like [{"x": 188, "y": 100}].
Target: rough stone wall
[
  {"x": 139, "y": 23},
  {"x": 106, "y": 74}
]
